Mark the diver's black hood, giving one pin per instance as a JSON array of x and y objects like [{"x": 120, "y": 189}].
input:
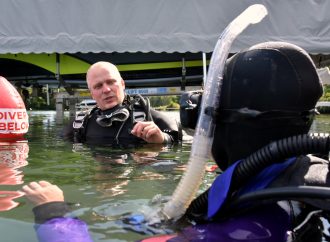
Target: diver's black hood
[{"x": 269, "y": 92}]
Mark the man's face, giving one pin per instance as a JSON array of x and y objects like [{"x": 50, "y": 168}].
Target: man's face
[{"x": 106, "y": 86}]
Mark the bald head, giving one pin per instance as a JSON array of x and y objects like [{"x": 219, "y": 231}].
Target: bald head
[
  {"x": 98, "y": 66},
  {"x": 105, "y": 84}
]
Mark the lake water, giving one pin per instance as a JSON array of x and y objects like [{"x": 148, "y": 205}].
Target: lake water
[{"x": 105, "y": 185}]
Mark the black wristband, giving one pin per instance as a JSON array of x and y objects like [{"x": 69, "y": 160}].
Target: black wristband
[{"x": 50, "y": 210}]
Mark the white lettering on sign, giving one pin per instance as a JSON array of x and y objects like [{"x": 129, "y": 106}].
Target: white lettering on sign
[
  {"x": 142, "y": 91},
  {"x": 13, "y": 120}
]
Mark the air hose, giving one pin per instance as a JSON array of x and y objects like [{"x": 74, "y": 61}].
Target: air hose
[
  {"x": 275, "y": 152},
  {"x": 200, "y": 149},
  {"x": 145, "y": 103}
]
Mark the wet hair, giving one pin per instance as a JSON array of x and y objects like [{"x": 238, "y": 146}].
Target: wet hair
[{"x": 269, "y": 92}]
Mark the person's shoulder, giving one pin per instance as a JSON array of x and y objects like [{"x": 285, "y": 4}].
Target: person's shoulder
[
  {"x": 159, "y": 116},
  {"x": 155, "y": 112}
]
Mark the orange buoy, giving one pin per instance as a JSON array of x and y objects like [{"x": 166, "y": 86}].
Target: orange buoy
[{"x": 14, "y": 121}]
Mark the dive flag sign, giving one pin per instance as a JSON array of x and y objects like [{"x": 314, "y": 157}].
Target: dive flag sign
[{"x": 13, "y": 121}]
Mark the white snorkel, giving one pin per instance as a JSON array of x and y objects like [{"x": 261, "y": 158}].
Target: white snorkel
[{"x": 203, "y": 138}]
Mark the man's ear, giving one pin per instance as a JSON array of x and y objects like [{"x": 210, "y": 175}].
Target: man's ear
[
  {"x": 90, "y": 92},
  {"x": 123, "y": 83}
]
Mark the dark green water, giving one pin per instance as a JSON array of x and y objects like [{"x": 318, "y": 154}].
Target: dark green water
[{"x": 105, "y": 184}]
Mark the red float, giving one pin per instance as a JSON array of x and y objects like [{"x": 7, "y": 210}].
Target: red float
[
  {"x": 13, "y": 156},
  {"x": 14, "y": 121}
]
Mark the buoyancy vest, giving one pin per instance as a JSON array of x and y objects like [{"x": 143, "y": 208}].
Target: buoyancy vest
[{"x": 87, "y": 129}]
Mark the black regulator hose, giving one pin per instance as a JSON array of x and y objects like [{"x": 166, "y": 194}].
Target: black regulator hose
[
  {"x": 298, "y": 193},
  {"x": 278, "y": 151},
  {"x": 312, "y": 195},
  {"x": 145, "y": 103},
  {"x": 275, "y": 152}
]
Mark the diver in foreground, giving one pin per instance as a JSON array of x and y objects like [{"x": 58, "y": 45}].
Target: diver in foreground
[{"x": 275, "y": 181}]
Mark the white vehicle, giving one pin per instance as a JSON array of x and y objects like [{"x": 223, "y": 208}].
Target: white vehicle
[{"x": 85, "y": 105}]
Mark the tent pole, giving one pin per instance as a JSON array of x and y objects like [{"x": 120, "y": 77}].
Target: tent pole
[
  {"x": 204, "y": 69},
  {"x": 57, "y": 74},
  {"x": 61, "y": 82},
  {"x": 183, "y": 78},
  {"x": 47, "y": 89}
]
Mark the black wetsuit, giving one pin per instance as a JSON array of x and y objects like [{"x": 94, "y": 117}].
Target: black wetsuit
[{"x": 120, "y": 132}]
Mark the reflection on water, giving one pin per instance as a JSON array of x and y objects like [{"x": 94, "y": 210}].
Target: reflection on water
[
  {"x": 13, "y": 156},
  {"x": 105, "y": 184}
]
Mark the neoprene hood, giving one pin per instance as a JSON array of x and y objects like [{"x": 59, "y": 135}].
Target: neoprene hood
[{"x": 269, "y": 92}]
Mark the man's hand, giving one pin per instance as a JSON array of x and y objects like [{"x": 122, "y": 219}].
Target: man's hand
[
  {"x": 148, "y": 131},
  {"x": 42, "y": 192}
]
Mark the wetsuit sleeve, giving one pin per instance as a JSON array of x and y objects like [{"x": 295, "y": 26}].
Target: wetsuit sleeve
[
  {"x": 53, "y": 225},
  {"x": 171, "y": 127}
]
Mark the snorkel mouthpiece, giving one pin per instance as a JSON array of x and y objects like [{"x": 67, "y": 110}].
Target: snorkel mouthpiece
[{"x": 203, "y": 138}]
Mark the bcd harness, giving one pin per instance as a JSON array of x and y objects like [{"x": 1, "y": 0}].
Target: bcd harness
[{"x": 136, "y": 107}]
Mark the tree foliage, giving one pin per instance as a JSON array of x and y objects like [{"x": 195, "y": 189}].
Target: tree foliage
[{"x": 165, "y": 102}]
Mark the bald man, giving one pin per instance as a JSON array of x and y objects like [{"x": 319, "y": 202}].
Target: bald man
[{"x": 120, "y": 118}]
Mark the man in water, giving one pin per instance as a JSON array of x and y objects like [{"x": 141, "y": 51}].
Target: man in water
[{"x": 119, "y": 118}]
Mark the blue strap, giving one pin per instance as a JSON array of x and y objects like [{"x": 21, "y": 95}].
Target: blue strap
[{"x": 219, "y": 190}]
